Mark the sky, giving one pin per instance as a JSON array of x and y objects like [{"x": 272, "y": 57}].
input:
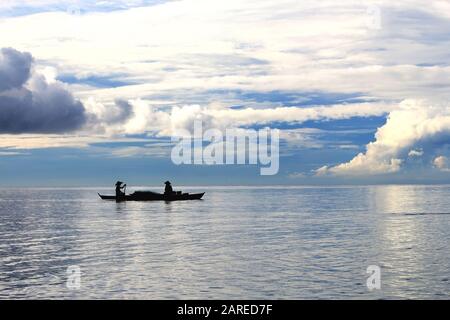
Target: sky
[{"x": 92, "y": 91}]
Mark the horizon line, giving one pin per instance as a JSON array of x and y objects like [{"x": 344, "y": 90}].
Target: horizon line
[{"x": 255, "y": 186}]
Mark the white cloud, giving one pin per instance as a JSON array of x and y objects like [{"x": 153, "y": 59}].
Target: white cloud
[
  {"x": 363, "y": 165},
  {"x": 441, "y": 163},
  {"x": 201, "y": 45},
  {"x": 297, "y": 175},
  {"x": 415, "y": 153},
  {"x": 33, "y": 141},
  {"x": 148, "y": 118},
  {"x": 24, "y": 7},
  {"x": 416, "y": 125},
  {"x": 11, "y": 153},
  {"x": 150, "y": 150}
]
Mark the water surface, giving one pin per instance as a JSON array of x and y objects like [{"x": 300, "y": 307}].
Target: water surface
[{"x": 237, "y": 243}]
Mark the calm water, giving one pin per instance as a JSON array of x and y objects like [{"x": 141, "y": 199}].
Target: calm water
[{"x": 275, "y": 243}]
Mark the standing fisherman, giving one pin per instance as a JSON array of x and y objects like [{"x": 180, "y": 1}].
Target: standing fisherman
[{"x": 119, "y": 194}]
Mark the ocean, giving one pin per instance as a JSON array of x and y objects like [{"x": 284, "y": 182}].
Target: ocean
[{"x": 238, "y": 243}]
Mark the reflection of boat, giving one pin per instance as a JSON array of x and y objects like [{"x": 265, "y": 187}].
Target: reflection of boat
[{"x": 154, "y": 196}]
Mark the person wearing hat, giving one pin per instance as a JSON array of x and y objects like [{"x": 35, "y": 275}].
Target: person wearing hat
[
  {"x": 168, "y": 190},
  {"x": 119, "y": 188}
]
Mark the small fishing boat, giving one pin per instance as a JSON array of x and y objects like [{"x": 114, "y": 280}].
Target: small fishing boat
[{"x": 154, "y": 196}]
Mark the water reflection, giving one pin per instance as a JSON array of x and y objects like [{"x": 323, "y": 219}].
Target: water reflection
[{"x": 405, "y": 240}]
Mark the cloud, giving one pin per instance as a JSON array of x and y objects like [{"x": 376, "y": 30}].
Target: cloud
[
  {"x": 251, "y": 46},
  {"x": 118, "y": 112},
  {"x": 196, "y": 52},
  {"x": 363, "y": 165},
  {"x": 75, "y": 140},
  {"x": 297, "y": 175},
  {"x": 15, "y": 68},
  {"x": 123, "y": 112},
  {"x": 415, "y": 153},
  {"x": 248, "y": 45},
  {"x": 441, "y": 163},
  {"x": 136, "y": 151},
  {"x": 416, "y": 125},
  {"x": 75, "y": 7},
  {"x": 29, "y": 104},
  {"x": 11, "y": 153},
  {"x": 218, "y": 116}
]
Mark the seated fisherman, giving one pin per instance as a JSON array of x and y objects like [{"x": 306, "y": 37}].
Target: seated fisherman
[{"x": 168, "y": 190}]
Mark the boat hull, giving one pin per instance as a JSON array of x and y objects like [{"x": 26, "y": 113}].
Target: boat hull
[{"x": 153, "y": 196}]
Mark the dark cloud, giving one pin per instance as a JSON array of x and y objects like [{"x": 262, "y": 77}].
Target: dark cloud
[
  {"x": 38, "y": 108},
  {"x": 15, "y": 68},
  {"x": 120, "y": 112}
]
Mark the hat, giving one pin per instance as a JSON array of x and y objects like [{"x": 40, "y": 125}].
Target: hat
[
  {"x": 118, "y": 183},
  {"x": 167, "y": 182}
]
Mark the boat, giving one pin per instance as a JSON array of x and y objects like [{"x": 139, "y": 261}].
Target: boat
[{"x": 154, "y": 196}]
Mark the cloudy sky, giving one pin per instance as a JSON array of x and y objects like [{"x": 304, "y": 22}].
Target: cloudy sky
[{"x": 89, "y": 90}]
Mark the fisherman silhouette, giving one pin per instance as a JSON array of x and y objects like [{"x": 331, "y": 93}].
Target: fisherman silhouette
[
  {"x": 119, "y": 187},
  {"x": 168, "y": 190}
]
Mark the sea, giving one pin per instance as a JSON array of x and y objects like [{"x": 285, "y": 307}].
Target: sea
[{"x": 240, "y": 242}]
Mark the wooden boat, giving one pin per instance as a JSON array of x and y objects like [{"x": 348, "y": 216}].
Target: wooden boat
[{"x": 154, "y": 196}]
